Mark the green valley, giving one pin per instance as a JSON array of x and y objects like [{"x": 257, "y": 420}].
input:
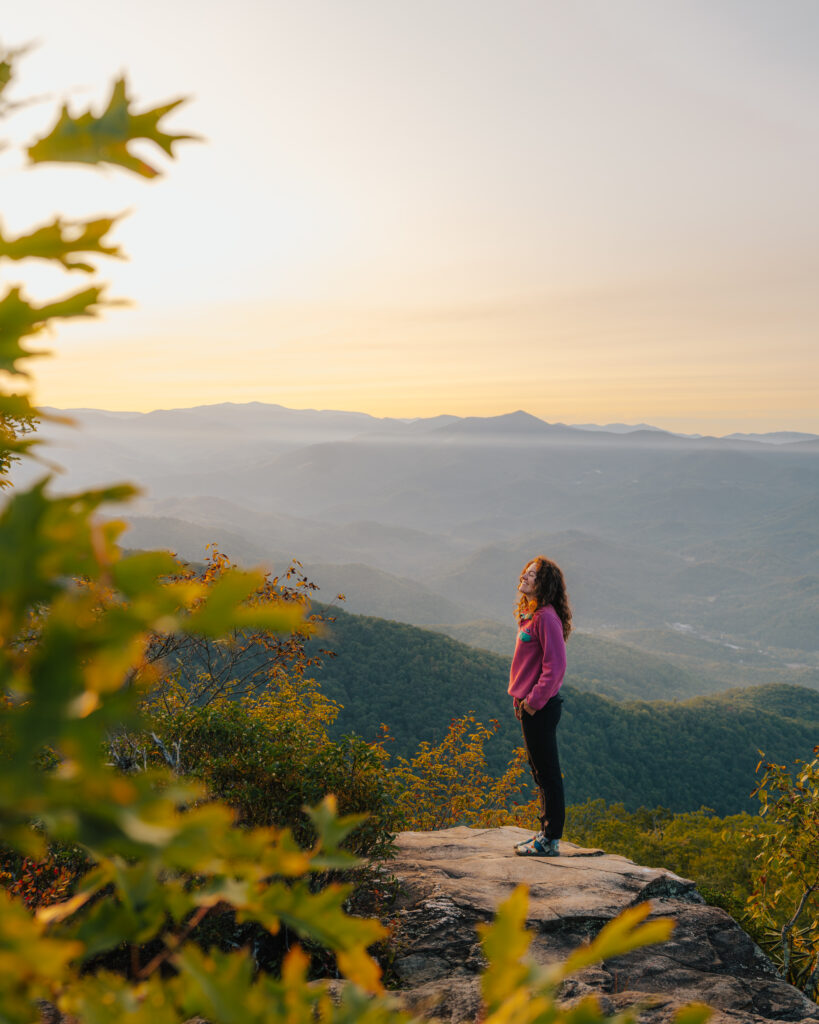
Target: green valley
[{"x": 685, "y": 754}]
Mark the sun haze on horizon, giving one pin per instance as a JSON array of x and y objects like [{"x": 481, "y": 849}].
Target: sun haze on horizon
[{"x": 593, "y": 212}]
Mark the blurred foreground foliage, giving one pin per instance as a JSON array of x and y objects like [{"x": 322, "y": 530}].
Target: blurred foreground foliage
[{"x": 117, "y": 850}]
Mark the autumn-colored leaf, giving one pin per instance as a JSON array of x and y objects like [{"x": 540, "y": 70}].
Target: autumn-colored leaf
[
  {"x": 624, "y": 933},
  {"x": 505, "y": 941}
]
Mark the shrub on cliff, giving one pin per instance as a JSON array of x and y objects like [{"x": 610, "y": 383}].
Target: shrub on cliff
[
  {"x": 241, "y": 715},
  {"x": 784, "y": 902},
  {"x": 268, "y": 757}
]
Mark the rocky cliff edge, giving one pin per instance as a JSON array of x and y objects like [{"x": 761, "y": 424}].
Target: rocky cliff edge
[{"x": 450, "y": 880}]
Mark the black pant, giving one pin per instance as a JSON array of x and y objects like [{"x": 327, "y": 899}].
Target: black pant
[{"x": 540, "y": 740}]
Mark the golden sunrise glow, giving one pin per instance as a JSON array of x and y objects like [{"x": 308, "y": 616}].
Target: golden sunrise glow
[{"x": 556, "y": 214}]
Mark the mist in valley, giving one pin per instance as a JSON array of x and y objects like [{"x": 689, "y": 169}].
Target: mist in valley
[{"x": 700, "y": 550}]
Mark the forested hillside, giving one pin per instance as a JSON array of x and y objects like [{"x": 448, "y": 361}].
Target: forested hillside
[
  {"x": 697, "y": 753},
  {"x": 683, "y": 755}
]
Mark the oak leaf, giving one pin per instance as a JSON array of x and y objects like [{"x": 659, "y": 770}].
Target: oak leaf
[
  {"x": 104, "y": 139},
  {"x": 61, "y": 240}
]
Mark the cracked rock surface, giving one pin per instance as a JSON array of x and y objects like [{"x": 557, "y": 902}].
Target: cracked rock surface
[{"x": 454, "y": 878}]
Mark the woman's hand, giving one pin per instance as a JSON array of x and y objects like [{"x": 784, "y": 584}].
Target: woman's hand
[{"x": 529, "y": 710}]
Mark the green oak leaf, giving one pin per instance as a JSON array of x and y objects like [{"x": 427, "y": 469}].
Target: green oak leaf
[
  {"x": 61, "y": 240},
  {"x": 332, "y": 831},
  {"x": 321, "y": 916},
  {"x": 105, "y": 139},
  {"x": 55, "y": 536},
  {"x": 19, "y": 319},
  {"x": 144, "y": 899}
]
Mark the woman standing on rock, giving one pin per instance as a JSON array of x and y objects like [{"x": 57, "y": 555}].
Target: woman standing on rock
[{"x": 538, "y": 667}]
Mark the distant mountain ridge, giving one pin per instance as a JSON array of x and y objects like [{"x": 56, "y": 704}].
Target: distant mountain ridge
[
  {"x": 654, "y": 530},
  {"x": 775, "y": 437},
  {"x": 274, "y": 413}
]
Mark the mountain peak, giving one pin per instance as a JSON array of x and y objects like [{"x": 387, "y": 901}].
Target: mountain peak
[{"x": 518, "y": 422}]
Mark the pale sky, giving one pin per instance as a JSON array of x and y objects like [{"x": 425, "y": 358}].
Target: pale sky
[{"x": 595, "y": 210}]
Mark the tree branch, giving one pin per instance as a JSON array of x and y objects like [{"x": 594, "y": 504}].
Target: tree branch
[
  {"x": 173, "y": 942},
  {"x": 788, "y": 927}
]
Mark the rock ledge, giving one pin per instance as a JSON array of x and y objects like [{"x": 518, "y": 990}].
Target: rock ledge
[{"x": 454, "y": 878}]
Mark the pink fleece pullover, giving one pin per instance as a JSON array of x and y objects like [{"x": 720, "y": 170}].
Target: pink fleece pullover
[{"x": 539, "y": 662}]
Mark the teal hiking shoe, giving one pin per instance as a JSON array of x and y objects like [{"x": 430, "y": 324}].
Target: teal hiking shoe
[{"x": 538, "y": 846}]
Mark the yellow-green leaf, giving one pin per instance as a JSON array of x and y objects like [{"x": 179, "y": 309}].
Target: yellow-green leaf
[
  {"x": 505, "y": 942},
  {"x": 694, "y": 1013},
  {"x": 332, "y": 831},
  {"x": 31, "y": 962},
  {"x": 19, "y": 319},
  {"x": 317, "y": 915},
  {"x": 108, "y": 998},
  {"x": 359, "y": 967},
  {"x": 218, "y": 984},
  {"x": 61, "y": 241},
  {"x": 222, "y": 609},
  {"x": 139, "y": 572},
  {"x": 624, "y": 933},
  {"x": 105, "y": 139}
]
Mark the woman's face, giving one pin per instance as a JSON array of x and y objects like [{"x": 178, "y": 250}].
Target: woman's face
[{"x": 526, "y": 584}]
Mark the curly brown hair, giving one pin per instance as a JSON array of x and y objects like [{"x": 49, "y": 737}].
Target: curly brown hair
[{"x": 550, "y": 588}]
